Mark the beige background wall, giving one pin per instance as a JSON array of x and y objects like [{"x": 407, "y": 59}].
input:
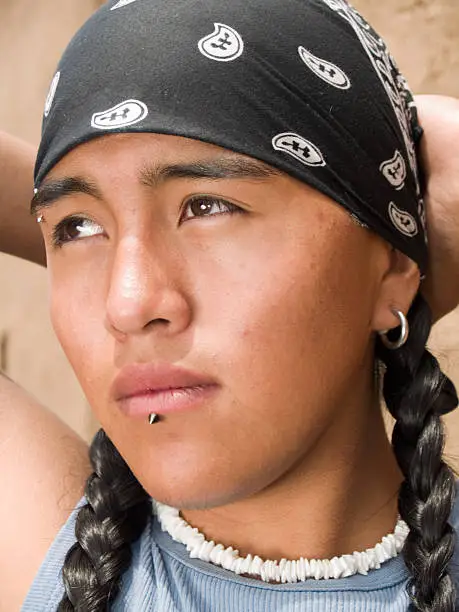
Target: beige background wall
[{"x": 423, "y": 36}]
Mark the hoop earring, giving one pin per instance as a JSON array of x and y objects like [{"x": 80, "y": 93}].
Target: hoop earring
[{"x": 404, "y": 332}]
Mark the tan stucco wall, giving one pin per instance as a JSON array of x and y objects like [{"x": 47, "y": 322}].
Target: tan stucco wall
[{"x": 423, "y": 36}]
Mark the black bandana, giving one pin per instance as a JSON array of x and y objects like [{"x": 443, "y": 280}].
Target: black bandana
[{"x": 304, "y": 85}]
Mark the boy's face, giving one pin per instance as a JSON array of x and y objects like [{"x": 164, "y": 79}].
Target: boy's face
[{"x": 171, "y": 252}]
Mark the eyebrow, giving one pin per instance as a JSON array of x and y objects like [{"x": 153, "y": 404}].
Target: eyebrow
[
  {"x": 215, "y": 169},
  {"x": 53, "y": 190},
  {"x": 152, "y": 176}
]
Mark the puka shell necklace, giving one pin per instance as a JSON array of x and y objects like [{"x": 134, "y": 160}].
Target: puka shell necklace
[{"x": 282, "y": 571}]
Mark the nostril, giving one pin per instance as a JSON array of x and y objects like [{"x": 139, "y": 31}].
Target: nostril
[{"x": 158, "y": 321}]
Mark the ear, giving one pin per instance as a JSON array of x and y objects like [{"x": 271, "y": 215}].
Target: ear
[{"x": 397, "y": 290}]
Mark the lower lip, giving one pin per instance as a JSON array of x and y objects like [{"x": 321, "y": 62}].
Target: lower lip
[{"x": 167, "y": 401}]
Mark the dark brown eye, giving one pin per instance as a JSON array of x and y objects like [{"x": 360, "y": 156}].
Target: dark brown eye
[
  {"x": 75, "y": 228},
  {"x": 205, "y": 206}
]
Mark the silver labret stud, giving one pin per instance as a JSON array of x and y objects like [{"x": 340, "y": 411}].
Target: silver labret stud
[{"x": 152, "y": 418}]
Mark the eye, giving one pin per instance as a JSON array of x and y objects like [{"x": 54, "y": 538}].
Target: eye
[
  {"x": 74, "y": 228},
  {"x": 207, "y": 206}
]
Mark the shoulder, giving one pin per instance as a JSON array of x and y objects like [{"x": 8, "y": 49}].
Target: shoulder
[
  {"x": 47, "y": 587},
  {"x": 43, "y": 467},
  {"x": 138, "y": 585}
]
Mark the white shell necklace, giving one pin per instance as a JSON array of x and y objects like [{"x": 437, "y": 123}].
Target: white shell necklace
[{"x": 282, "y": 571}]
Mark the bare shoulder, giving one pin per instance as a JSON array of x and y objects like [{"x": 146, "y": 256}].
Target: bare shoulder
[{"x": 43, "y": 468}]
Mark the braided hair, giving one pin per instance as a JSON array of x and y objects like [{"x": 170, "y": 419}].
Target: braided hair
[
  {"x": 115, "y": 515},
  {"x": 416, "y": 393}
]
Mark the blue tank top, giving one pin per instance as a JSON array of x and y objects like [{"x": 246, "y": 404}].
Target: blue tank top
[{"x": 163, "y": 578}]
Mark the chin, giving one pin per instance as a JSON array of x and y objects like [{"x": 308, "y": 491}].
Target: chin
[
  {"x": 188, "y": 496},
  {"x": 197, "y": 474},
  {"x": 200, "y": 493},
  {"x": 205, "y": 494}
]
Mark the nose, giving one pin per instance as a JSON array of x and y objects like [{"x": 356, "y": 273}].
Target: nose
[{"x": 144, "y": 290}]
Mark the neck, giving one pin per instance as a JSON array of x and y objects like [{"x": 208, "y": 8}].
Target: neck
[{"x": 340, "y": 498}]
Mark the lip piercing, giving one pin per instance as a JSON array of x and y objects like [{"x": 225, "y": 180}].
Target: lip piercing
[{"x": 153, "y": 418}]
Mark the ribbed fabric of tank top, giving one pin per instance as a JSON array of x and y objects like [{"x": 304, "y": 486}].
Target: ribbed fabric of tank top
[{"x": 163, "y": 578}]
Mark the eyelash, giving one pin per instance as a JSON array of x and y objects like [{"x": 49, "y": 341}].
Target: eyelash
[{"x": 58, "y": 237}]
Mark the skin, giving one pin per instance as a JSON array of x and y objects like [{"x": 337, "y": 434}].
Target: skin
[
  {"x": 439, "y": 116},
  {"x": 265, "y": 301},
  {"x": 44, "y": 466},
  {"x": 18, "y": 235}
]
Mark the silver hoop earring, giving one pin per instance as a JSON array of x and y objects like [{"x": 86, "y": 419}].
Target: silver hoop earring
[{"x": 404, "y": 332}]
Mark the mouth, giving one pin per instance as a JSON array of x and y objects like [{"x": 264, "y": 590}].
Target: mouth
[
  {"x": 165, "y": 401},
  {"x": 143, "y": 389}
]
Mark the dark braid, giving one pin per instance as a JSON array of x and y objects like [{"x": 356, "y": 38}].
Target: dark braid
[
  {"x": 417, "y": 393},
  {"x": 114, "y": 517}
]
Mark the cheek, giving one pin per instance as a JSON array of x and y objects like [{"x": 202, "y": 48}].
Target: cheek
[
  {"x": 290, "y": 346},
  {"x": 279, "y": 315},
  {"x": 77, "y": 316}
]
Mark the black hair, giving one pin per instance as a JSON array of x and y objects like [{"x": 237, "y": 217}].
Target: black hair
[
  {"x": 115, "y": 515},
  {"x": 416, "y": 393}
]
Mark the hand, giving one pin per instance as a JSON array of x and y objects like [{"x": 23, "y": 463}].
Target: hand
[{"x": 439, "y": 116}]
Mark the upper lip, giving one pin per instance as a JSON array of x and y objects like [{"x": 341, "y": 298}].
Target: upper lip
[{"x": 138, "y": 379}]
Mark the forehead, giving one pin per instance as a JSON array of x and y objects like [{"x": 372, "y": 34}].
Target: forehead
[
  {"x": 134, "y": 149},
  {"x": 149, "y": 159}
]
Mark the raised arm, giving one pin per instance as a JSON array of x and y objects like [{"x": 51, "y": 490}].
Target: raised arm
[
  {"x": 43, "y": 463},
  {"x": 18, "y": 232},
  {"x": 43, "y": 467},
  {"x": 439, "y": 116}
]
